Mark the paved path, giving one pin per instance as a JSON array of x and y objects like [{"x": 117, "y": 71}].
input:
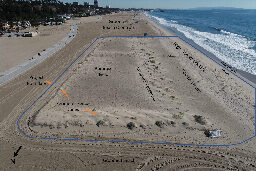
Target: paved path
[{"x": 17, "y": 70}]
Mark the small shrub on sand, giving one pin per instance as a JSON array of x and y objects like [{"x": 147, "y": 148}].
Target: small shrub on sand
[
  {"x": 66, "y": 124},
  {"x": 199, "y": 119},
  {"x": 207, "y": 132},
  {"x": 134, "y": 118},
  {"x": 58, "y": 125},
  {"x": 167, "y": 89},
  {"x": 142, "y": 126},
  {"x": 51, "y": 126},
  {"x": 152, "y": 61},
  {"x": 173, "y": 97},
  {"x": 171, "y": 123},
  {"x": 130, "y": 125},
  {"x": 77, "y": 123},
  {"x": 100, "y": 123},
  {"x": 185, "y": 124},
  {"x": 178, "y": 116},
  {"x": 159, "y": 124}
]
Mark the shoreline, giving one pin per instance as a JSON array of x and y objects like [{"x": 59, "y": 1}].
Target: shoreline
[{"x": 248, "y": 77}]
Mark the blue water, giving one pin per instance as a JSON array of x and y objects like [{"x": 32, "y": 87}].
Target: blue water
[{"x": 229, "y": 34}]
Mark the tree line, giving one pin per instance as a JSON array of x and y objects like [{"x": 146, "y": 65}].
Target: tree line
[{"x": 20, "y": 10}]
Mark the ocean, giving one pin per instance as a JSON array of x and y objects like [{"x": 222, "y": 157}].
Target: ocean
[{"x": 228, "y": 34}]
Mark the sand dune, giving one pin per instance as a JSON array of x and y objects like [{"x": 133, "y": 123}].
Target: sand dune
[{"x": 134, "y": 80}]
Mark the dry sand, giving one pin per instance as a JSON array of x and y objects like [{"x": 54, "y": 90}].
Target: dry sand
[
  {"x": 134, "y": 80},
  {"x": 16, "y": 50},
  {"x": 21, "y": 54},
  {"x": 139, "y": 80}
]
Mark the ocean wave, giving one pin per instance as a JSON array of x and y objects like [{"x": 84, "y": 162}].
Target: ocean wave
[
  {"x": 165, "y": 22},
  {"x": 231, "y": 48}
]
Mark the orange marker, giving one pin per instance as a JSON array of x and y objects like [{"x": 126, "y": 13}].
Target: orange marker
[
  {"x": 89, "y": 111},
  {"x": 65, "y": 93},
  {"x": 48, "y": 82}
]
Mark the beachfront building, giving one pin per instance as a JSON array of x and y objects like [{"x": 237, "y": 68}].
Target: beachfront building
[
  {"x": 75, "y": 3},
  {"x": 86, "y": 4},
  {"x": 96, "y": 3}
]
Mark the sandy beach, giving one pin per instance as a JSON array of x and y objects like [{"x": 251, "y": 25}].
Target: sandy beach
[
  {"x": 16, "y": 50},
  {"x": 19, "y": 54},
  {"x": 129, "y": 103}
]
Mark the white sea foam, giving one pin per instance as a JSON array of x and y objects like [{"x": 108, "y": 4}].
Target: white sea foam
[{"x": 231, "y": 48}]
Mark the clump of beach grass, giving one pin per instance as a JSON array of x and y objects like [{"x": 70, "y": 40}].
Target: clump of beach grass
[
  {"x": 152, "y": 61},
  {"x": 173, "y": 97},
  {"x": 185, "y": 124},
  {"x": 142, "y": 126},
  {"x": 199, "y": 119},
  {"x": 171, "y": 123},
  {"x": 131, "y": 125},
  {"x": 100, "y": 123},
  {"x": 178, "y": 116},
  {"x": 167, "y": 89},
  {"x": 159, "y": 124}
]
